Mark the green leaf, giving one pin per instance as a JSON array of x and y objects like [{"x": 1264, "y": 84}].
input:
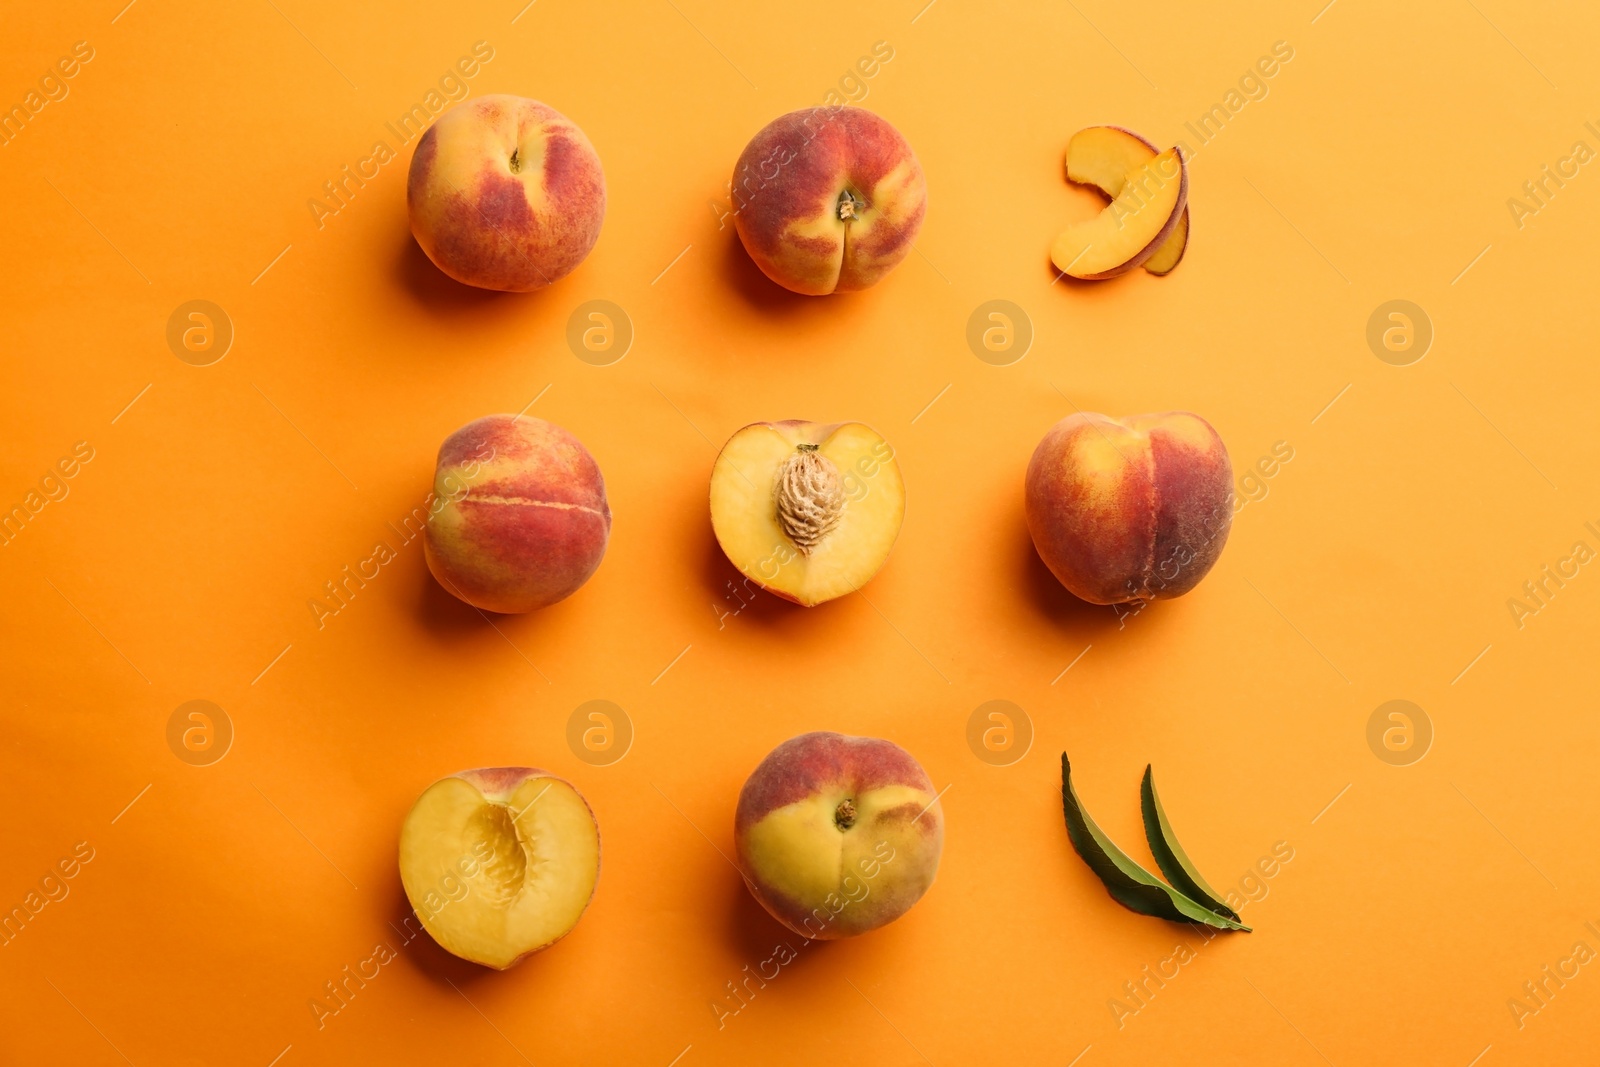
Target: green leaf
[
  {"x": 1128, "y": 883},
  {"x": 1170, "y": 857}
]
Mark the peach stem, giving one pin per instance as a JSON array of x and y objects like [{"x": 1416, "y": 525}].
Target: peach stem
[{"x": 844, "y": 816}]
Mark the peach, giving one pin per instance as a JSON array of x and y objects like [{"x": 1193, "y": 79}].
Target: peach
[
  {"x": 499, "y": 862},
  {"x": 807, "y": 511},
  {"x": 1129, "y": 509},
  {"x": 1104, "y": 156},
  {"x": 828, "y": 199},
  {"x": 519, "y": 518},
  {"x": 1133, "y": 227},
  {"x": 838, "y": 835},
  {"x": 505, "y": 193}
]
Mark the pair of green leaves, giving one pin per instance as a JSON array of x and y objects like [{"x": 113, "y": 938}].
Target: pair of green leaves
[{"x": 1187, "y": 899}]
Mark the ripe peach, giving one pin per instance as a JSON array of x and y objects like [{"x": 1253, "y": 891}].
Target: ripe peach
[
  {"x": 505, "y": 193},
  {"x": 828, "y": 199},
  {"x": 1126, "y": 509},
  {"x": 519, "y": 518},
  {"x": 838, "y": 835},
  {"x": 499, "y": 862},
  {"x": 806, "y": 510}
]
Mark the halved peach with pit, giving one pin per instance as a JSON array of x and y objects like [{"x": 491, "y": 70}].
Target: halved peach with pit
[
  {"x": 807, "y": 510},
  {"x": 499, "y": 862}
]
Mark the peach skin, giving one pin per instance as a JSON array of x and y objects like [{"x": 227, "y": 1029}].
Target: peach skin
[
  {"x": 828, "y": 199},
  {"x": 1128, "y": 509},
  {"x": 519, "y": 518},
  {"x": 838, "y": 835},
  {"x": 505, "y": 193}
]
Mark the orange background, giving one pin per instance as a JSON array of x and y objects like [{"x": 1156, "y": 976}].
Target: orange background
[{"x": 1378, "y": 565}]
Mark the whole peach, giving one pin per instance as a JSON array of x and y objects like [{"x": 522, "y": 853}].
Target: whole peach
[
  {"x": 828, "y": 199},
  {"x": 838, "y": 835},
  {"x": 1127, "y": 509},
  {"x": 519, "y": 518},
  {"x": 505, "y": 193}
]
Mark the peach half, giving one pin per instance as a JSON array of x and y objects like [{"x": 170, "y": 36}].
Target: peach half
[
  {"x": 828, "y": 199},
  {"x": 518, "y": 518},
  {"x": 499, "y": 862},
  {"x": 505, "y": 193},
  {"x": 807, "y": 510},
  {"x": 1129, "y": 509},
  {"x": 1104, "y": 156},
  {"x": 838, "y": 835},
  {"x": 1139, "y": 220}
]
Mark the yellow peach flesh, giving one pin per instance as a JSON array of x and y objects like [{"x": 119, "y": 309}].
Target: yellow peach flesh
[
  {"x": 745, "y": 520},
  {"x": 1167, "y": 256},
  {"x": 496, "y": 876},
  {"x": 1131, "y": 228},
  {"x": 1104, "y": 156}
]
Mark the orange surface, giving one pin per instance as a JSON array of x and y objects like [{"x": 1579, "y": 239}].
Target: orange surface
[{"x": 1378, "y": 565}]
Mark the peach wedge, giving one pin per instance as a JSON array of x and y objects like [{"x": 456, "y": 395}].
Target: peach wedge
[
  {"x": 807, "y": 510},
  {"x": 1104, "y": 156},
  {"x": 1137, "y": 222}
]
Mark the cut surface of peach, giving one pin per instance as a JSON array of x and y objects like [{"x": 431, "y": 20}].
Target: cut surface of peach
[
  {"x": 1167, "y": 256},
  {"x": 1137, "y": 222},
  {"x": 1104, "y": 156},
  {"x": 499, "y": 862},
  {"x": 805, "y": 510}
]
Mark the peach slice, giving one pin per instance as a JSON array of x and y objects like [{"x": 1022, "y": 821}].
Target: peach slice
[
  {"x": 1137, "y": 222},
  {"x": 499, "y": 862},
  {"x": 1104, "y": 156},
  {"x": 807, "y": 510},
  {"x": 1170, "y": 254}
]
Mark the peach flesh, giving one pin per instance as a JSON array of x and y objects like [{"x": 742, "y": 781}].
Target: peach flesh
[
  {"x": 1138, "y": 222},
  {"x": 807, "y": 511},
  {"x": 1104, "y": 156},
  {"x": 499, "y": 862}
]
